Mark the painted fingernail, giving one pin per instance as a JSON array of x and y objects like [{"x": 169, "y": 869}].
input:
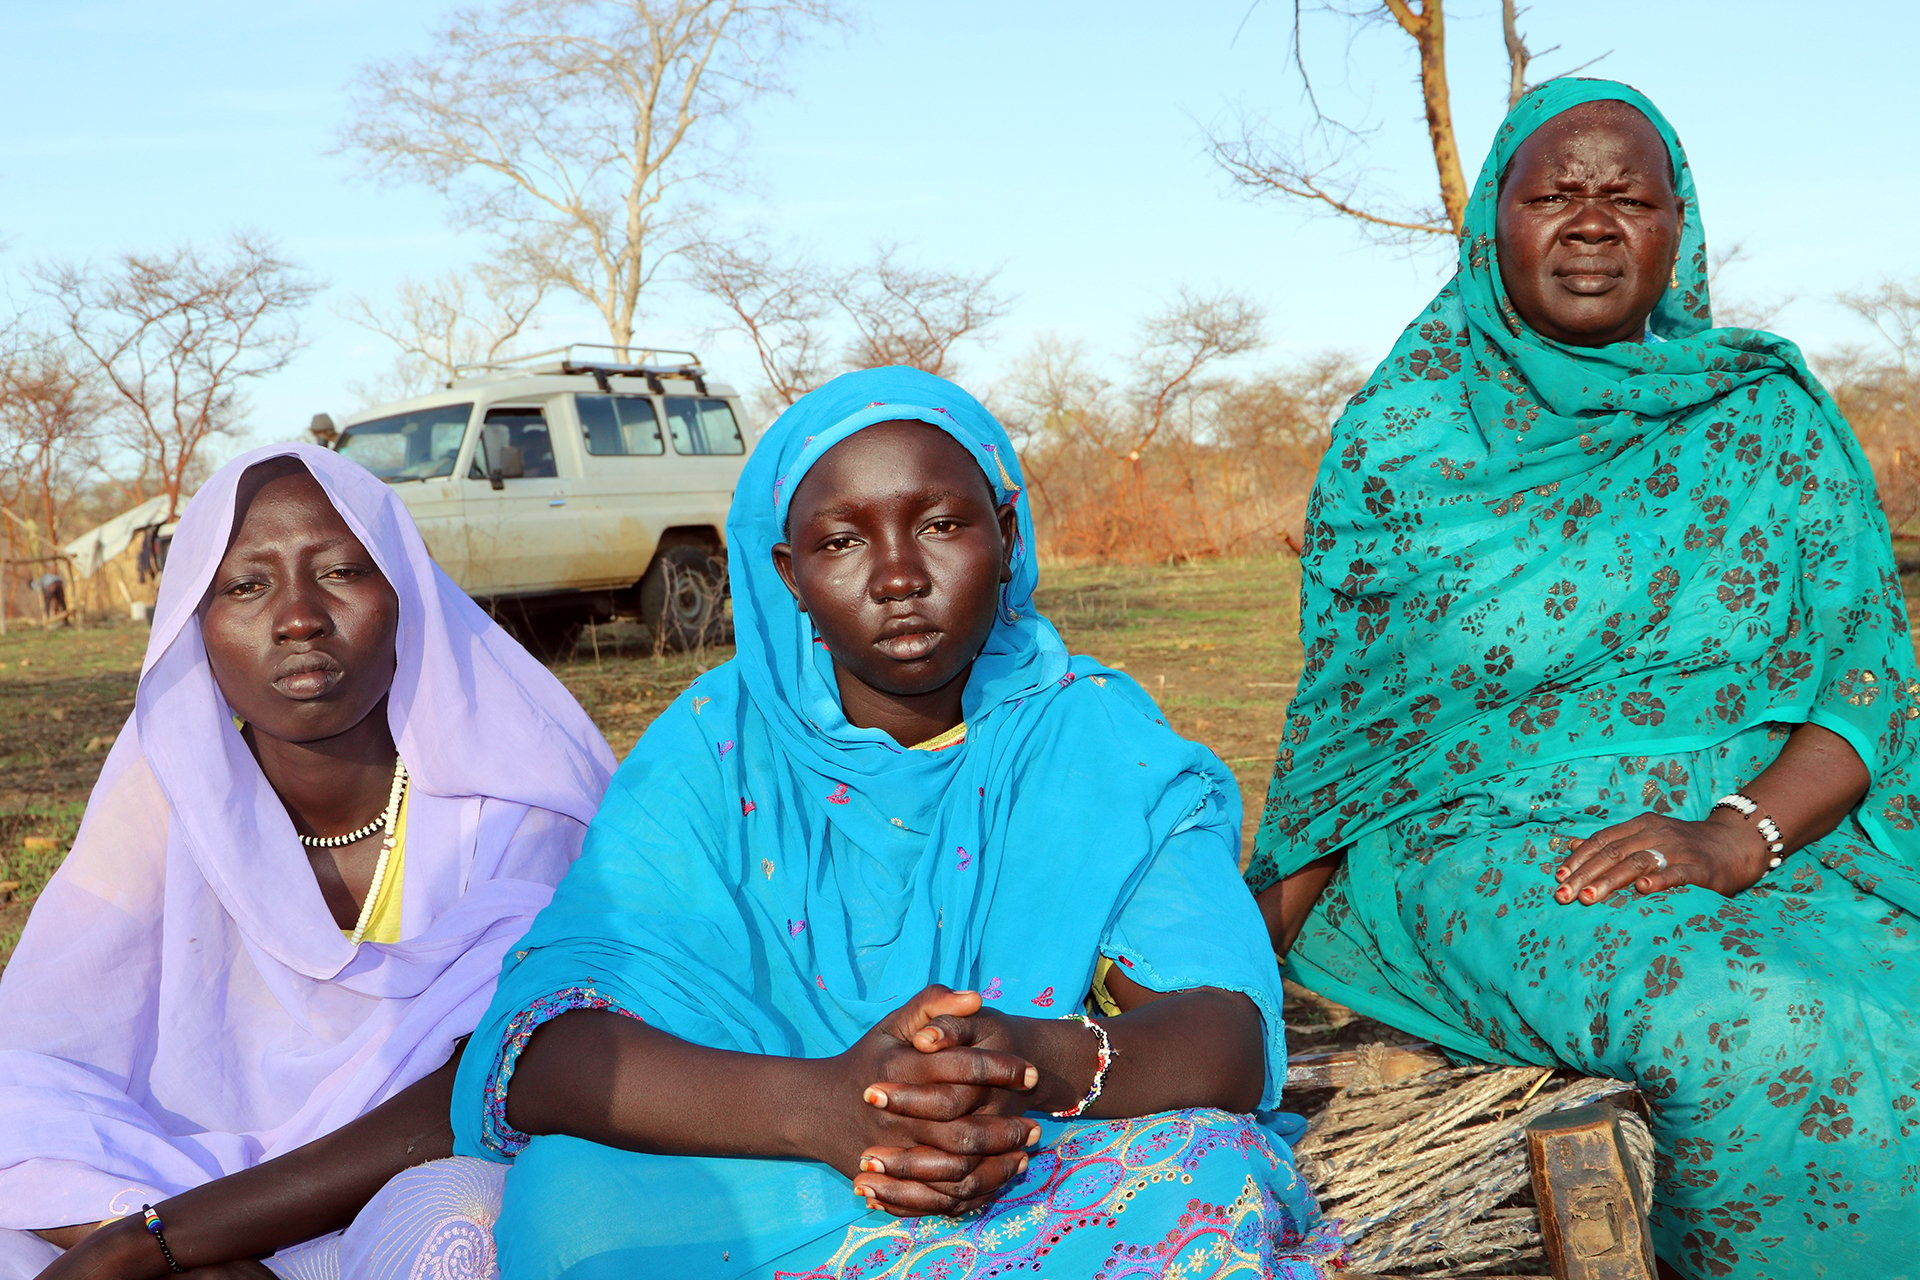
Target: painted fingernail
[
  {"x": 1561, "y": 873},
  {"x": 871, "y": 1164},
  {"x": 875, "y": 1096},
  {"x": 1032, "y": 1077},
  {"x": 862, "y": 1192}
]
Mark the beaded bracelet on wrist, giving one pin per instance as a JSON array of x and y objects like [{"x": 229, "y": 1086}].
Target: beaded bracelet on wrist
[
  {"x": 1102, "y": 1060},
  {"x": 155, "y": 1230},
  {"x": 1769, "y": 830}
]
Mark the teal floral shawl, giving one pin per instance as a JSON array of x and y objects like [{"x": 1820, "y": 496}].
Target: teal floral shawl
[{"x": 1520, "y": 552}]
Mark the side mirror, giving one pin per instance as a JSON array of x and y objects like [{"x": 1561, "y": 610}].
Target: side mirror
[
  {"x": 323, "y": 431},
  {"x": 504, "y": 461}
]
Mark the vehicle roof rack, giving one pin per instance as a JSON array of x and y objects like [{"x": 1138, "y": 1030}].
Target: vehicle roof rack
[{"x": 603, "y": 361}]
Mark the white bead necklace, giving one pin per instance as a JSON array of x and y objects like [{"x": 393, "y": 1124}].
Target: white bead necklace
[
  {"x": 390, "y": 821},
  {"x": 383, "y": 819},
  {"x": 334, "y": 842}
]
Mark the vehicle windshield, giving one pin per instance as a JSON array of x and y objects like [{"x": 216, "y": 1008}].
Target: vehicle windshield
[{"x": 409, "y": 446}]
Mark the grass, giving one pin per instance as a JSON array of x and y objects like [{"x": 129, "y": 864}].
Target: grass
[{"x": 1216, "y": 644}]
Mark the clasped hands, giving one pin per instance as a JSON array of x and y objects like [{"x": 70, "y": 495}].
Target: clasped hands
[
  {"x": 1723, "y": 853},
  {"x": 936, "y": 1123}
]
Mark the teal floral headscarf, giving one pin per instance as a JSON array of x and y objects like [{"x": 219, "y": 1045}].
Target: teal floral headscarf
[{"x": 1520, "y": 552}]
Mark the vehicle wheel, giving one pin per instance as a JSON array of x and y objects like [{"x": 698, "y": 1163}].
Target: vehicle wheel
[
  {"x": 683, "y": 598},
  {"x": 548, "y": 635}
]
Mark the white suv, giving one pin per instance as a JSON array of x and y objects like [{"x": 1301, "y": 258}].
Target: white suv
[{"x": 568, "y": 486}]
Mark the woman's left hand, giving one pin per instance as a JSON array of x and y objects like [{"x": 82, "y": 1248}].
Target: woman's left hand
[
  {"x": 911, "y": 1181},
  {"x": 1652, "y": 852}
]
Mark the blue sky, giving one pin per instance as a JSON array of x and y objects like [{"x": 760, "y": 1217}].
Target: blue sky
[{"x": 1062, "y": 142}]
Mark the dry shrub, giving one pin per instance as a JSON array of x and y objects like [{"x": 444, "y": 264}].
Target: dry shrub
[
  {"x": 1881, "y": 398},
  {"x": 1227, "y": 471}
]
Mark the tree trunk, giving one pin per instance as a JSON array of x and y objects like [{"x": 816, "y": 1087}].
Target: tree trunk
[
  {"x": 1432, "y": 38},
  {"x": 1429, "y": 31}
]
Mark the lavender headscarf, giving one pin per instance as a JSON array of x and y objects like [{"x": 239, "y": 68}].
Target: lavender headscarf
[{"x": 182, "y": 1005}]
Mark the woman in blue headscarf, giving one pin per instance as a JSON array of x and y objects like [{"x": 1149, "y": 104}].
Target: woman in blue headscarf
[
  {"x": 1604, "y": 755},
  {"x": 810, "y": 1002}
]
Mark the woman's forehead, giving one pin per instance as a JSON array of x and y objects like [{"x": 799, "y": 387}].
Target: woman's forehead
[
  {"x": 1601, "y": 134},
  {"x": 901, "y": 453},
  {"x": 281, "y": 496}
]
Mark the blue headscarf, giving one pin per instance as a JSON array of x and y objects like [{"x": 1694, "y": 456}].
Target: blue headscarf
[
  {"x": 767, "y": 877},
  {"x": 1520, "y": 551}
]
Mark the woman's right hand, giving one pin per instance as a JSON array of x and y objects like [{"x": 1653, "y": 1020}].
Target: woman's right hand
[
  {"x": 118, "y": 1250},
  {"x": 920, "y": 1131}
]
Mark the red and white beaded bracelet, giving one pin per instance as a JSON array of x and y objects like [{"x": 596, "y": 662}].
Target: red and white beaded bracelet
[
  {"x": 1769, "y": 830},
  {"x": 1102, "y": 1059}
]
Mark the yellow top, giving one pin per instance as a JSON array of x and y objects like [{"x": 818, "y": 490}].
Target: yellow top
[
  {"x": 1103, "y": 1003},
  {"x": 383, "y": 924}
]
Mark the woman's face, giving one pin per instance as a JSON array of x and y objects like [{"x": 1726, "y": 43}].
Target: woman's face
[
  {"x": 299, "y": 622},
  {"x": 897, "y": 551},
  {"x": 1589, "y": 227}
]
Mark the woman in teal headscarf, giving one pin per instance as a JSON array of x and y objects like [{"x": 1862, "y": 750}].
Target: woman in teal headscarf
[
  {"x": 902, "y": 784},
  {"x": 1605, "y": 748}
]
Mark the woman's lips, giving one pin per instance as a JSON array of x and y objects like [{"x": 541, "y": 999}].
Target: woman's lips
[
  {"x": 307, "y": 677},
  {"x": 1587, "y": 279},
  {"x": 908, "y": 646}
]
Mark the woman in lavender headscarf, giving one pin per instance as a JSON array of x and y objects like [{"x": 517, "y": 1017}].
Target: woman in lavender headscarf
[{"x": 342, "y": 794}]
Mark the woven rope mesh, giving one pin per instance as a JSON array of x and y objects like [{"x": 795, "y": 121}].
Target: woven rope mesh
[{"x": 1430, "y": 1177}]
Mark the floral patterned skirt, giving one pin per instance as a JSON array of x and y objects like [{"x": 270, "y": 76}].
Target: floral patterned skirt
[
  {"x": 1776, "y": 1033},
  {"x": 1195, "y": 1194}
]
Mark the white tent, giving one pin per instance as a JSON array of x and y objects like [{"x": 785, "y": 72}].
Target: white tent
[{"x": 92, "y": 550}]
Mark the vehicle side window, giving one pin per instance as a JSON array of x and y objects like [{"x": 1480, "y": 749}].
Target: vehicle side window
[
  {"x": 619, "y": 424},
  {"x": 702, "y": 424},
  {"x": 527, "y": 432},
  {"x": 409, "y": 446}
]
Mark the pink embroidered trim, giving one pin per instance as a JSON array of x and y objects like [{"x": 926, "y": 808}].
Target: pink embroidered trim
[{"x": 495, "y": 1133}]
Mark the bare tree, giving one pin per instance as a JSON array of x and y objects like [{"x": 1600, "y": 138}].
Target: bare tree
[
  {"x": 787, "y": 307},
  {"x": 1892, "y": 307},
  {"x": 780, "y": 302},
  {"x": 578, "y": 130},
  {"x": 457, "y": 318},
  {"x": 902, "y": 315},
  {"x": 1738, "y": 310},
  {"x": 1878, "y": 389},
  {"x": 1188, "y": 335},
  {"x": 50, "y": 409},
  {"x": 1046, "y": 404},
  {"x": 1320, "y": 164},
  {"x": 1088, "y": 442},
  {"x": 176, "y": 337}
]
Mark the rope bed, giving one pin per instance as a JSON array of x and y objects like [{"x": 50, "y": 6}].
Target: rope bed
[{"x": 1429, "y": 1175}]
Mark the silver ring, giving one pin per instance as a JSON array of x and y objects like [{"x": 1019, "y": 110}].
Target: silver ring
[{"x": 1659, "y": 860}]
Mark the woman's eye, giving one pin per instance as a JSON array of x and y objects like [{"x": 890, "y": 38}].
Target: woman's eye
[
  {"x": 345, "y": 573},
  {"x": 1553, "y": 199},
  {"x": 944, "y": 524},
  {"x": 840, "y": 543},
  {"x": 243, "y": 590}
]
